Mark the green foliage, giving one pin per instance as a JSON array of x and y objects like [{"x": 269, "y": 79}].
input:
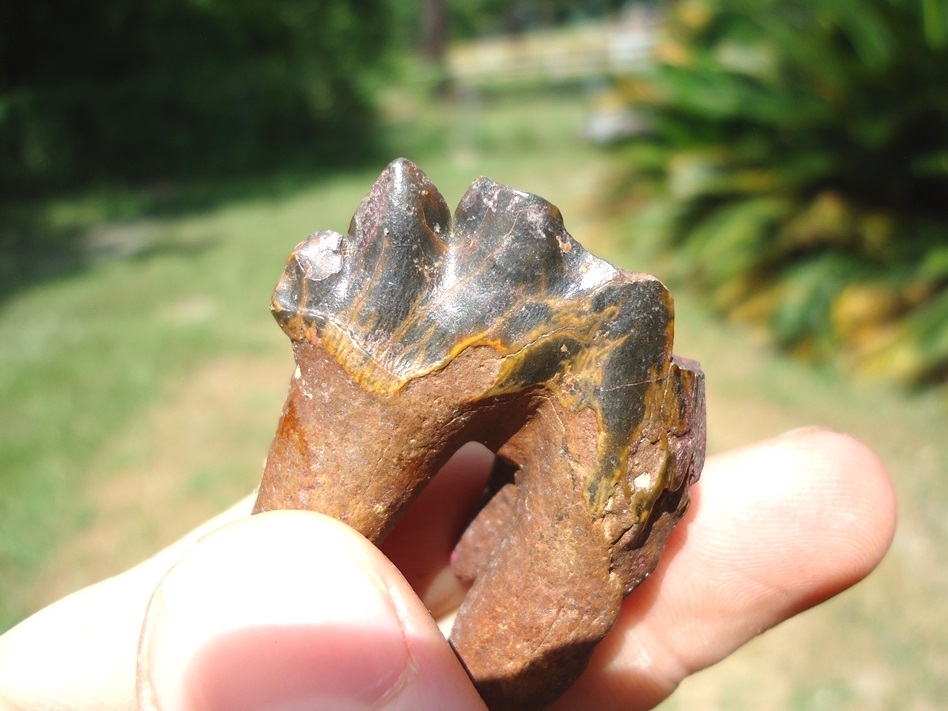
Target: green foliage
[
  {"x": 799, "y": 152},
  {"x": 170, "y": 88}
]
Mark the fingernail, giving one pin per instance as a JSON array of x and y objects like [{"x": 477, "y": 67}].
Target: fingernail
[{"x": 239, "y": 624}]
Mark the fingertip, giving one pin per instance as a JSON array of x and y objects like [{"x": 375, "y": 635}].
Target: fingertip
[
  {"x": 856, "y": 486},
  {"x": 802, "y": 516},
  {"x": 291, "y": 608}
]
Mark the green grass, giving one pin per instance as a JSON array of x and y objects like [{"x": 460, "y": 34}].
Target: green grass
[{"x": 167, "y": 283}]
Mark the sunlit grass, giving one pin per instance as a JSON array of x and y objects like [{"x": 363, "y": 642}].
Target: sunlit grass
[{"x": 82, "y": 353}]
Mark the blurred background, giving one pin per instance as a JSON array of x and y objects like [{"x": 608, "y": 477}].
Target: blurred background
[{"x": 781, "y": 164}]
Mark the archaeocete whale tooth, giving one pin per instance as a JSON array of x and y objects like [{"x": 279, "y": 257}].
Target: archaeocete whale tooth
[{"x": 419, "y": 331}]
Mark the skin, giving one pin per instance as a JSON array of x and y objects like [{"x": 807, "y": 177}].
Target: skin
[{"x": 293, "y": 610}]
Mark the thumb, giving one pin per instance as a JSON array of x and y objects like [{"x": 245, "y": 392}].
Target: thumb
[{"x": 293, "y": 610}]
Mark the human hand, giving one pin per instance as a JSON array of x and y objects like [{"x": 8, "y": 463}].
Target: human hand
[{"x": 295, "y": 610}]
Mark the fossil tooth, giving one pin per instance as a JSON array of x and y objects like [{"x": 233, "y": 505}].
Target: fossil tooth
[{"x": 419, "y": 331}]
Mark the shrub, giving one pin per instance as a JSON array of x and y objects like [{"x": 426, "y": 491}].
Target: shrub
[{"x": 797, "y": 166}]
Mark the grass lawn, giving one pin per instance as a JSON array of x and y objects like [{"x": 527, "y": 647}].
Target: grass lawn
[{"x": 140, "y": 387}]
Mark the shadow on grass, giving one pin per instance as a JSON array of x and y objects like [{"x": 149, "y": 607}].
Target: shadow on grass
[
  {"x": 30, "y": 251},
  {"x": 48, "y": 238}
]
